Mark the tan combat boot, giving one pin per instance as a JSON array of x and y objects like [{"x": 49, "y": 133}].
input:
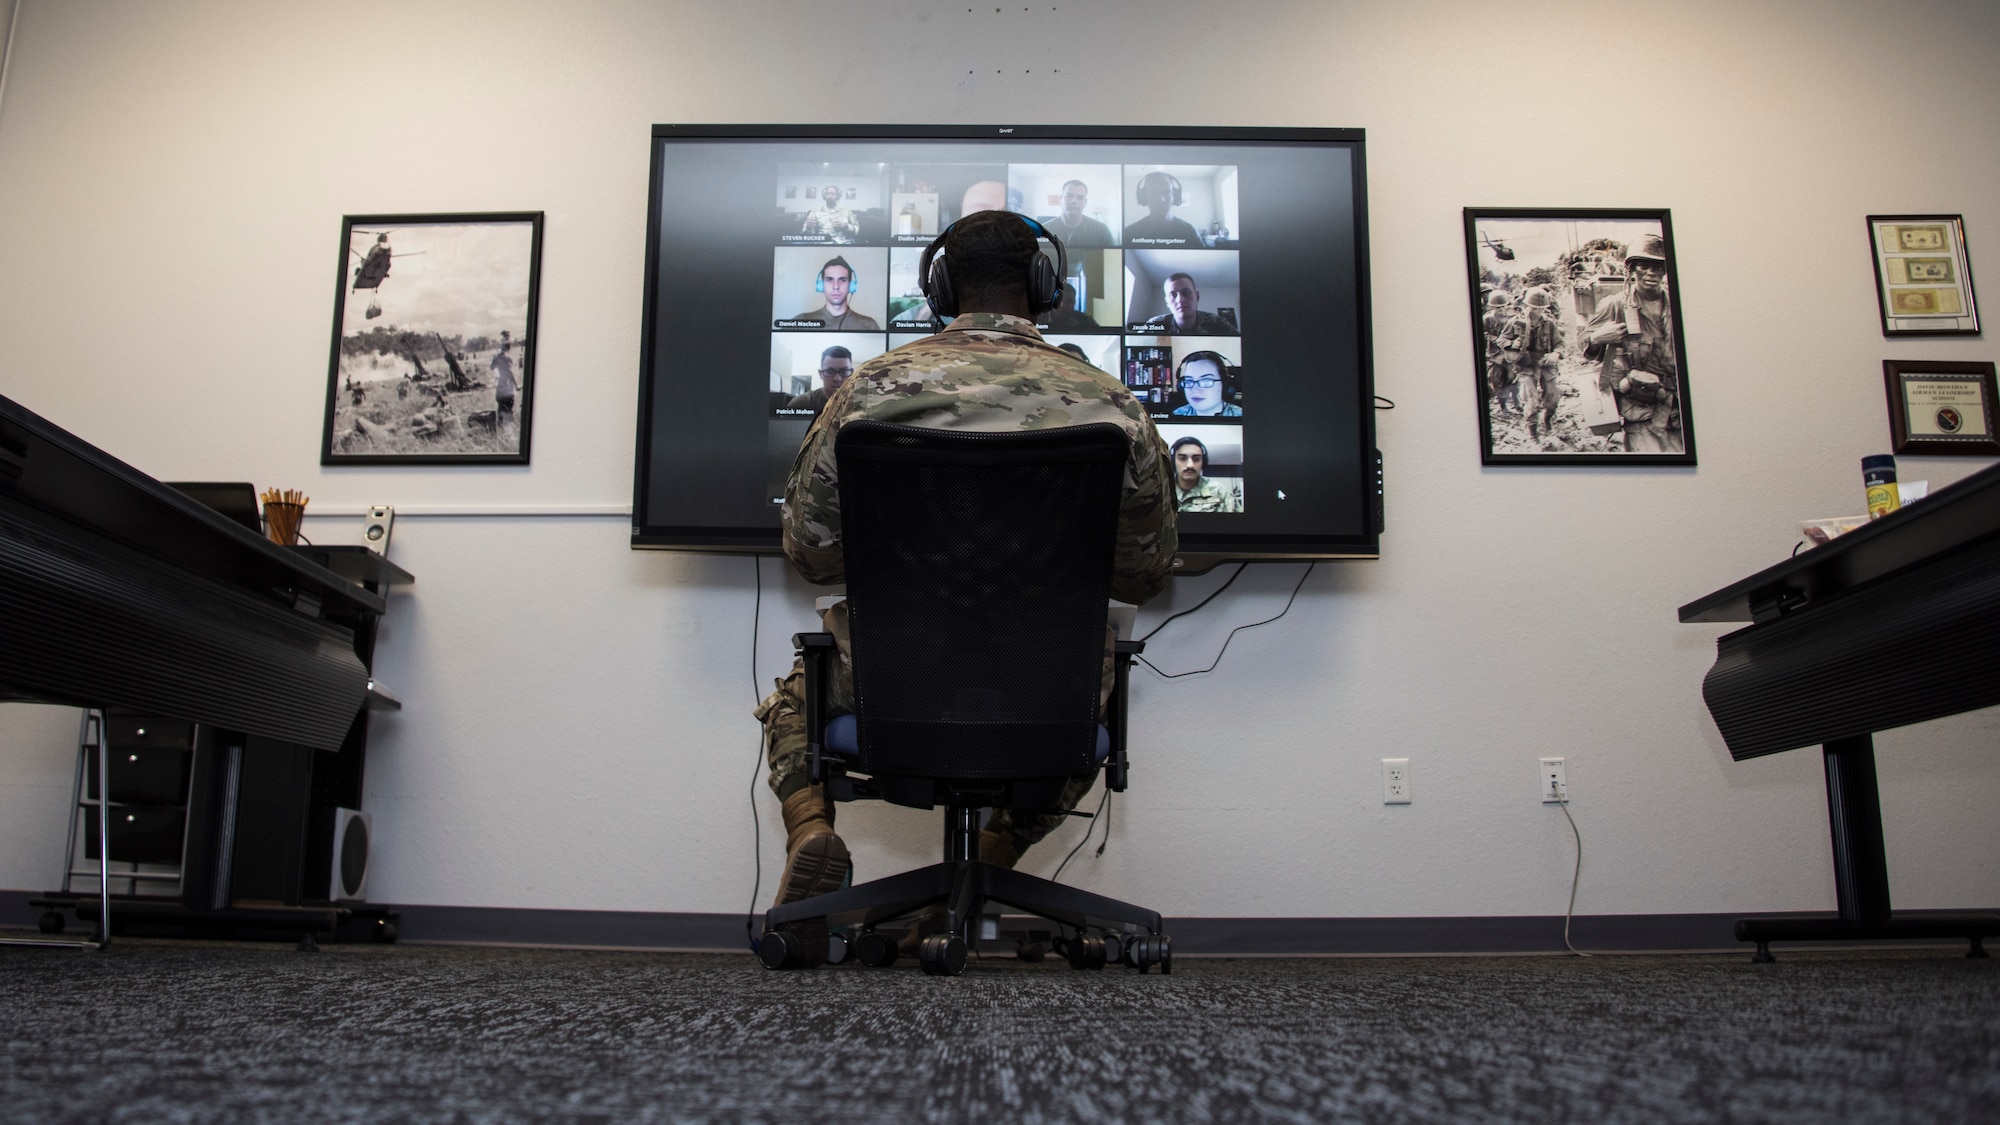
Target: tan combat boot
[{"x": 816, "y": 860}]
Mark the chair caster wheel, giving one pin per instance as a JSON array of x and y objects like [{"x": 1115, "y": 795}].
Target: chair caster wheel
[
  {"x": 780, "y": 949},
  {"x": 1085, "y": 951},
  {"x": 385, "y": 932},
  {"x": 942, "y": 955},
  {"x": 1031, "y": 951},
  {"x": 874, "y": 950},
  {"x": 837, "y": 948},
  {"x": 1142, "y": 953},
  {"x": 52, "y": 922}
]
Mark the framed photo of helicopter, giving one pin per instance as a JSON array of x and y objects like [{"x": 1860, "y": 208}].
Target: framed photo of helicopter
[
  {"x": 434, "y": 340},
  {"x": 1578, "y": 356}
]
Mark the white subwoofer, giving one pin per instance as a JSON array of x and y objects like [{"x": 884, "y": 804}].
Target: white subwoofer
[{"x": 348, "y": 878}]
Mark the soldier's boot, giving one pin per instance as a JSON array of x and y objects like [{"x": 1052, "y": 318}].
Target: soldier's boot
[
  {"x": 816, "y": 860},
  {"x": 997, "y": 848}
]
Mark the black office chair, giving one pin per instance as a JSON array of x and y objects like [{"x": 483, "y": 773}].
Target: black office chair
[{"x": 978, "y": 584}]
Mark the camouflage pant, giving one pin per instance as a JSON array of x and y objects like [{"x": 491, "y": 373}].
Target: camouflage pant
[{"x": 783, "y": 714}]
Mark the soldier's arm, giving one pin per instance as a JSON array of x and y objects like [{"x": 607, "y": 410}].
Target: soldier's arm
[
  {"x": 811, "y": 515},
  {"x": 1606, "y": 325},
  {"x": 1147, "y": 539}
]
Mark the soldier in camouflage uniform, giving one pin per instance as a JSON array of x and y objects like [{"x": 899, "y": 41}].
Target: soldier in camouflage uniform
[
  {"x": 1194, "y": 492},
  {"x": 1632, "y": 334},
  {"x": 831, "y": 220},
  {"x": 989, "y": 370},
  {"x": 1537, "y": 367}
]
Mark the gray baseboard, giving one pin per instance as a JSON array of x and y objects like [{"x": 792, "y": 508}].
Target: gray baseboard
[{"x": 1198, "y": 937}]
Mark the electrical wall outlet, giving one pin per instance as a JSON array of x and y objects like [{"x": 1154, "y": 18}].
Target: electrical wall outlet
[
  {"x": 375, "y": 529},
  {"x": 1395, "y": 781},
  {"x": 1555, "y": 787}
]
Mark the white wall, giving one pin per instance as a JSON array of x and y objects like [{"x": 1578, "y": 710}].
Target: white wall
[{"x": 577, "y": 733}]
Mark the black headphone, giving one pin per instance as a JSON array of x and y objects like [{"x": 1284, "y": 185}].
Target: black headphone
[
  {"x": 1045, "y": 278},
  {"x": 853, "y": 279},
  {"x": 1222, "y": 365},
  {"x": 1139, "y": 189}
]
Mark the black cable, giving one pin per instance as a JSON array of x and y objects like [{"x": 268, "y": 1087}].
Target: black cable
[
  {"x": 1198, "y": 605},
  {"x": 1379, "y": 400},
  {"x": 1233, "y": 632},
  {"x": 756, "y": 828},
  {"x": 1092, "y": 827}
]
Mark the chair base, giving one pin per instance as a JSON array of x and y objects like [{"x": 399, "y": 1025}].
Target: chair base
[{"x": 965, "y": 886}]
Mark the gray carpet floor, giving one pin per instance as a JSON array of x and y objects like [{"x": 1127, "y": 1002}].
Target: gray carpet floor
[{"x": 187, "y": 1031}]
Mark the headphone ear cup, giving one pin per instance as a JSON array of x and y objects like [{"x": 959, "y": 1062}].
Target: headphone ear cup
[
  {"x": 819, "y": 283},
  {"x": 937, "y": 289},
  {"x": 1178, "y": 197},
  {"x": 1044, "y": 286}
]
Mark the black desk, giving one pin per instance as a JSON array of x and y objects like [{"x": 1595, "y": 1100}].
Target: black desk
[
  {"x": 119, "y": 593},
  {"x": 1891, "y": 624}
]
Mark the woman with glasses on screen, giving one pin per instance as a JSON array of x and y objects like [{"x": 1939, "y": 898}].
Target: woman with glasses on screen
[{"x": 1200, "y": 380}]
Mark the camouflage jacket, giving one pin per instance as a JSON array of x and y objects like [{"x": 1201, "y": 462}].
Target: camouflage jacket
[
  {"x": 1210, "y": 495},
  {"x": 836, "y": 223},
  {"x": 986, "y": 371}
]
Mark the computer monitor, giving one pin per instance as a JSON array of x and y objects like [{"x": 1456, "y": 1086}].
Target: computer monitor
[{"x": 1220, "y": 274}]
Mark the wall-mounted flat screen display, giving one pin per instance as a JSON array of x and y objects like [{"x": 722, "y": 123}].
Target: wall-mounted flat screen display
[{"x": 1220, "y": 274}]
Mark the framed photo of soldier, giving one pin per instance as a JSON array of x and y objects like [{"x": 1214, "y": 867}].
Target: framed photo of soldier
[
  {"x": 1942, "y": 407},
  {"x": 1578, "y": 354},
  {"x": 433, "y": 340},
  {"x": 1923, "y": 277}
]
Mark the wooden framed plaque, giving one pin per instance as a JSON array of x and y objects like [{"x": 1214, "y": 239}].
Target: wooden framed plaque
[{"x": 1941, "y": 406}]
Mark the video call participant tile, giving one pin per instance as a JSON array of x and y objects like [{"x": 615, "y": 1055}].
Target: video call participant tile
[
  {"x": 831, "y": 205},
  {"x": 1101, "y": 352},
  {"x": 1208, "y": 465},
  {"x": 1180, "y": 206},
  {"x": 907, "y": 307},
  {"x": 926, "y": 198},
  {"x": 1186, "y": 376},
  {"x": 1079, "y": 203},
  {"x": 828, "y": 288},
  {"x": 1182, "y": 292},
  {"x": 1093, "y": 294},
  {"x": 807, "y": 367}
]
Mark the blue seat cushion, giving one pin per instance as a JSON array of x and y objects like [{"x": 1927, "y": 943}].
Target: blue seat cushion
[{"x": 843, "y": 738}]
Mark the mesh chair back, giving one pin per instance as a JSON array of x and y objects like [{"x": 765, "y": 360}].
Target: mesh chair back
[{"x": 978, "y": 574}]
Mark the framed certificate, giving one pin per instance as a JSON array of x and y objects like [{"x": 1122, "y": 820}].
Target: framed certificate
[
  {"x": 1923, "y": 279},
  {"x": 1940, "y": 406}
]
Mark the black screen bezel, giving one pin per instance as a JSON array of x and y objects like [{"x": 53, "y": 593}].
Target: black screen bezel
[{"x": 1198, "y": 550}]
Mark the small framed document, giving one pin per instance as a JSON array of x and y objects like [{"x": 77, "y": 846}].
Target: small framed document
[
  {"x": 1940, "y": 406},
  {"x": 1923, "y": 279}
]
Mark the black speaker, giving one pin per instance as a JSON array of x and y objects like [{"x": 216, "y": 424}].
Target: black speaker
[{"x": 337, "y": 858}]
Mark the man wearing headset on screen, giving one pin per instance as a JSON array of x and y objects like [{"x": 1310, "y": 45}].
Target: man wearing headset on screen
[
  {"x": 1157, "y": 192},
  {"x": 836, "y": 281},
  {"x": 988, "y": 369},
  {"x": 1200, "y": 381}
]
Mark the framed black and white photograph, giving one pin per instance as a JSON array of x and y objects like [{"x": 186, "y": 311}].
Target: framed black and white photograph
[
  {"x": 1923, "y": 276},
  {"x": 434, "y": 340},
  {"x": 1941, "y": 407},
  {"x": 1578, "y": 356}
]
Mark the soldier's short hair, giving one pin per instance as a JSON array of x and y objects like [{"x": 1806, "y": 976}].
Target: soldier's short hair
[
  {"x": 1190, "y": 440},
  {"x": 990, "y": 251},
  {"x": 1173, "y": 277},
  {"x": 838, "y": 351},
  {"x": 1079, "y": 183},
  {"x": 837, "y": 260}
]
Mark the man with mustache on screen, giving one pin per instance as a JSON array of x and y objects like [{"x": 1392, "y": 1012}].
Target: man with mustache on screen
[{"x": 988, "y": 369}]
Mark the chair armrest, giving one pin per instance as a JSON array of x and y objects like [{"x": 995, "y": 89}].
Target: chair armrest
[
  {"x": 1117, "y": 770},
  {"x": 815, "y": 651}
]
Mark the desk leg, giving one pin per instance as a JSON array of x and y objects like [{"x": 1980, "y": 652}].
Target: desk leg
[{"x": 1854, "y": 814}]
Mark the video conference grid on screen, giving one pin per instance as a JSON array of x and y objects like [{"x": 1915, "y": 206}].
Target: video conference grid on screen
[{"x": 1151, "y": 296}]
